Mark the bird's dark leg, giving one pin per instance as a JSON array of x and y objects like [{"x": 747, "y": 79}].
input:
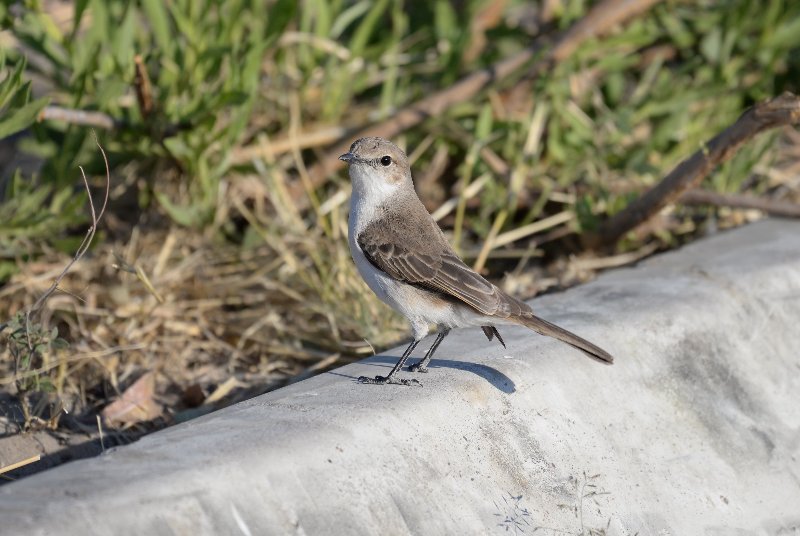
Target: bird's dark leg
[
  {"x": 422, "y": 366},
  {"x": 381, "y": 380}
]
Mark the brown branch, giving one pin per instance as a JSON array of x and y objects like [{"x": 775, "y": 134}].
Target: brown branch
[
  {"x": 143, "y": 87},
  {"x": 602, "y": 18},
  {"x": 780, "y": 111},
  {"x": 770, "y": 206}
]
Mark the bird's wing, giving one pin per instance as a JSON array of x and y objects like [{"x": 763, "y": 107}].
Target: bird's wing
[{"x": 441, "y": 272}]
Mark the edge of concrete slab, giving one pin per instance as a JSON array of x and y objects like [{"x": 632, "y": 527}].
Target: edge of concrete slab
[{"x": 695, "y": 429}]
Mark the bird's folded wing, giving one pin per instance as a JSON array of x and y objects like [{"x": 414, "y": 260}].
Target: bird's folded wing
[{"x": 440, "y": 272}]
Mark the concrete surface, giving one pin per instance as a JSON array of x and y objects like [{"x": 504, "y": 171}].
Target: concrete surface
[{"x": 694, "y": 430}]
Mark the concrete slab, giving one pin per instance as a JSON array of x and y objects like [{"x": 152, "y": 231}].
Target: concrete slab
[{"x": 694, "y": 430}]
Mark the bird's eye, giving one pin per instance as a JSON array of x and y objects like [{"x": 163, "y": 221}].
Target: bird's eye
[{"x": 386, "y": 160}]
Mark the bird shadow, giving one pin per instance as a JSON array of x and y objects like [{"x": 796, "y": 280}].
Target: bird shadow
[{"x": 496, "y": 378}]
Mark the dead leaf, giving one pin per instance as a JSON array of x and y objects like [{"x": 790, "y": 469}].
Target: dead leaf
[{"x": 135, "y": 405}]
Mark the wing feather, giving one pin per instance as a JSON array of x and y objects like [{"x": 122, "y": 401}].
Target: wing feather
[{"x": 441, "y": 272}]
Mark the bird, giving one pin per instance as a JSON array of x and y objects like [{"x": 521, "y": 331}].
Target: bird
[{"x": 406, "y": 260}]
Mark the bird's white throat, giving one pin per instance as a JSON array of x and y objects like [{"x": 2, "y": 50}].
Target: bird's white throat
[{"x": 370, "y": 192}]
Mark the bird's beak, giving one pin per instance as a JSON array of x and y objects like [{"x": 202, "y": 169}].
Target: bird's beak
[{"x": 347, "y": 157}]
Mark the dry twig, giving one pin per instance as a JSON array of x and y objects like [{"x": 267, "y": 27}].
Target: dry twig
[
  {"x": 78, "y": 117},
  {"x": 84, "y": 246},
  {"x": 273, "y": 148},
  {"x": 777, "y": 112},
  {"x": 770, "y": 206}
]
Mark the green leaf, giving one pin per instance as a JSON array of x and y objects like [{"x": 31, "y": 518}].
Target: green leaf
[
  {"x": 87, "y": 49},
  {"x": 368, "y": 25},
  {"x": 230, "y": 98},
  {"x": 185, "y": 25},
  {"x": 347, "y": 17},
  {"x": 122, "y": 41},
  {"x": 45, "y": 385},
  {"x": 59, "y": 344},
  {"x": 711, "y": 45},
  {"x": 178, "y": 148},
  {"x": 158, "y": 18},
  {"x": 80, "y": 7},
  {"x": 583, "y": 210},
  {"x": 188, "y": 216},
  {"x": 281, "y": 13},
  {"x": 445, "y": 20},
  {"x": 7, "y": 269},
  {"x": 786, "y": 35},
  {"x": 484, "y": 126},
  {"x": 21, "y": 118},
  {"x": 12, "y": 83}
]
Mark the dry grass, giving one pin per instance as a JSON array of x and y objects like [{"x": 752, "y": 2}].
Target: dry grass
[{"x": 262, "y": 316}]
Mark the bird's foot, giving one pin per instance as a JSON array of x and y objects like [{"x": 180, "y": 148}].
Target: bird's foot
[
  {"x": 418, "y": 367},
  {"x": 383, "y": 380}
]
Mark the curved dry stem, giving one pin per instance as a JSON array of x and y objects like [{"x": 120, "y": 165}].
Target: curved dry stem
[{"x": 82, "y": 248}]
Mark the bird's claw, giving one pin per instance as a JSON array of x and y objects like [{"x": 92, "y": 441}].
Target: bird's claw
[
  {"x": 417, "y": 367},
  {"x": 383, "y": 380}
]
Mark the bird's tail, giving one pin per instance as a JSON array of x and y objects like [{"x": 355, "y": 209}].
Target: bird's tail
[{"x": 543, "y": 327}]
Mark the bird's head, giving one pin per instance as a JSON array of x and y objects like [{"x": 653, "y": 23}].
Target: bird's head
[{"x": 378, "y": 167}]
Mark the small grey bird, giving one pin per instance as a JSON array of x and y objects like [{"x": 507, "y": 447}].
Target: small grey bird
[{"x": 406, "y": 260}]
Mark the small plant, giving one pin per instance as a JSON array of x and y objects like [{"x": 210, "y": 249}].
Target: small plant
[{"x": 32, "y": 346}]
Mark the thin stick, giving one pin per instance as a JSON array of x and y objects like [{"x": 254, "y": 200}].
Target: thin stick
[
  {"x": 22, "y": 463},
  {"x": 302, "y": 140},
  {"x": 100, "y": 430},
  {"x": 533, "y": 228},
  {"x": 770, "y": 206},
  {"x": 79, "y": 117},
  {"x": 489, "y": 244},
  {"x": 777, "y": 112},
  {"x": 615, "y": 261},
  {"x": 470, "y": 191}
]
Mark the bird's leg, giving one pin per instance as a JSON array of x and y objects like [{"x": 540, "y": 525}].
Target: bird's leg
[
  {"x": 422, "y": 366},
  {"x": 380, "y": 380}
]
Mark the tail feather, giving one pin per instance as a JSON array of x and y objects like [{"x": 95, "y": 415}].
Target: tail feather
[
  {"x": 491, "y": 331},
  {"x": 543, "y": 327}
]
